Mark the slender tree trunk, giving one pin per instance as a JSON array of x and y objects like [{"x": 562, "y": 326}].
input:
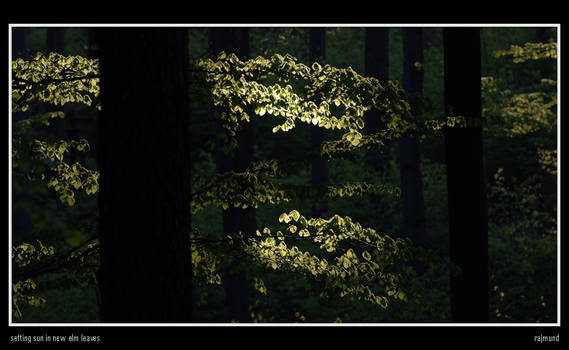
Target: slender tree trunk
[
  {"x": 21, "y": 222},
  {"x": 377, "y": 66},
  {"x": 543, "y": 35},
  {"x": 468, "y": 211},
  {"x": 235, "y": 220},
  {"x": 56, "y": 40},
  {"x": 144, "y": 161},
  {"x": 409, "y": 151},
  {"x": 317, "y": 134},
  {"x": 56, "y": 43}
]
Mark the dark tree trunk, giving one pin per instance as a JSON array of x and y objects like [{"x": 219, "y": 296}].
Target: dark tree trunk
[
  {"x": 317, "y": 52},
  {"x": 547, "y": 67},
  {"x": 145, "y": 175},
  {"x": 20, "y": 43},
  {"x": 56, "y": 40},
  {"x": 409, "y": 151},
  {"x": 56, "y": 43},
  {"x": 21, "y": 222},
  {"x": 377, "y": 66},
  {"x": 235, "y": 220},
  {"x": 542, "y": 34},
  {"x": 468, "y": 211}
]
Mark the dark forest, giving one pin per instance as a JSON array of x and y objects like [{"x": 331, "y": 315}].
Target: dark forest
[{"x": 284, "y": 174}]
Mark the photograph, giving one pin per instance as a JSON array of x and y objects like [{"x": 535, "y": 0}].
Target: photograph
[{"x": 173, "y": 177}]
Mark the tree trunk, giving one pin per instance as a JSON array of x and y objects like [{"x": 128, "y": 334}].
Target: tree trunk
[
  {"x": 468, "y": 211},
  {"x": 56, "y": 40},
  {"x": 547, "y": 67},
  {"x": 409, "y": 152},
  {"x": 144, "y": 161},
  {"x": 377, "y": 66},
  {"x": 235, "y": 220},
  {"x": 542, "y": 34},
  {"x": 20, "y": 43},
  {"x": 317, "y": 52},
  {"x": 21, "y": 222}
]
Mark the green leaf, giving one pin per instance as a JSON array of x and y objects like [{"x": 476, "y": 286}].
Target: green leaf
[
  {"x": 270, "y": 242},
  {"x": 295, "y": 215},
  {"x": 260, "y": 110},
  {"x": 284, "y": 218}
]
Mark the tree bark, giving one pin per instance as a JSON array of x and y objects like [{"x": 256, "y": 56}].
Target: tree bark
[
  {"x": 543, "y": 35},
  {"x": 56, "y": 40},
  {"x": 235, "y": 220},
  {"x": 377, "y": 66},
  {"x": 20, "y": 43},
  {"x": 144, "y": 161},
  {"x": 317, "y": 52},
  {"x": 409, "y": 151},
  {"x": 468, "y": 211}
]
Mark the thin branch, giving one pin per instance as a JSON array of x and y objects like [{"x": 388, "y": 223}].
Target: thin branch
[{"x": 59, "y": 266}]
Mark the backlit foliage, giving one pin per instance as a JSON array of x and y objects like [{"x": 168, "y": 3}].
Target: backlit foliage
[
  {"x": 54, "y": 79},
  {"x": 530, "y": 51},
  {"x": 23, "y": 291},
  {"x": 351, "y": 260},
  {"x": 340, "y": 256},
  {"x": 257, "y": 185},
  {"x": 325, "y": 96},
  {"x": 57, "y": 80},
  {"x": 519, "y": 114}
]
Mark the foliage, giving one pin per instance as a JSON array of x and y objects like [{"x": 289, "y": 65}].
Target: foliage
[
  {"x": 531, "y": 213},
  {"x": 58, "y": 80},
  {"x": 548, "y": 160},
  {"x": 530, "y": 51},
  {"x": 522, "y": 252},
  {"x": 334, "y": 262},
  {"x": 233, "y": 86},
  {"x": 519, "y": 114},
  {"x": 522, "y": 211},
  {"x": 30, "y": 262},
  {"x": 338, "y": 255},
  {"x": 253, "y": 187},
  {"x": 23, "y": 256},
  {"x": 54, "y": 78},
  {"x": 524, "y": 276}
]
